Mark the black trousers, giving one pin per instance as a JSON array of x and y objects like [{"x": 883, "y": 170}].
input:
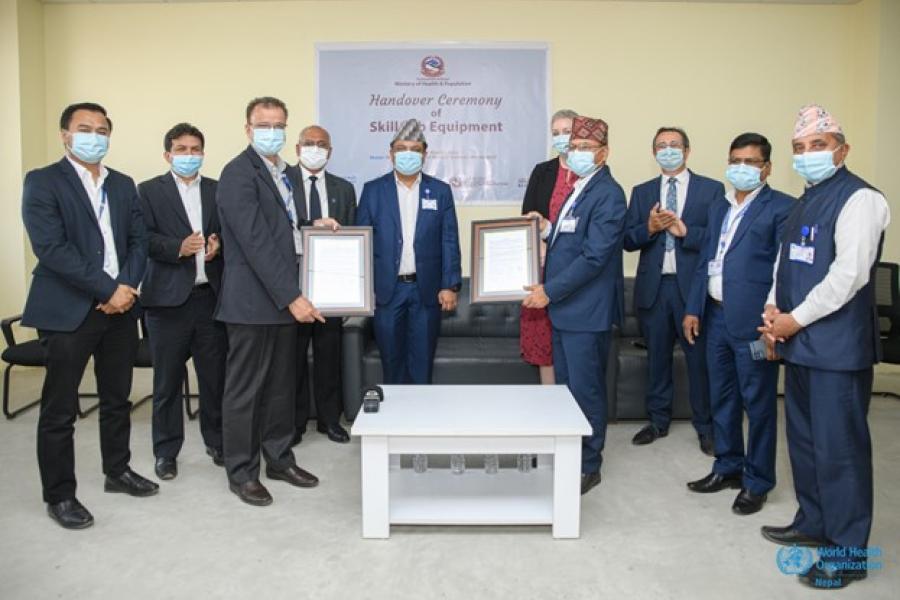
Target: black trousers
[
  {"x": 112, "y": 341},
  {"x": 259, "y": 404},
  {"x": 176, "y": 334},
  {"x": 326, "y": 372}
]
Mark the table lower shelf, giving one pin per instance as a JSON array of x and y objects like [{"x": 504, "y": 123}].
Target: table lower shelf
[{"x": 438, "y": 497}]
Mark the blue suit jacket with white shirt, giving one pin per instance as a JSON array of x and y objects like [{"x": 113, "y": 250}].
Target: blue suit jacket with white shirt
[
  {"x": 583, "y": 272},
  {"x": 69, "y": 279},
  {"x": 436, "y": 242},
  {"x": 748, "y": 262},
  {"x": 702, "y": 192}
]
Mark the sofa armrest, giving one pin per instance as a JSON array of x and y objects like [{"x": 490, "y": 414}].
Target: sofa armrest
[{"x": 356, "y": 334}]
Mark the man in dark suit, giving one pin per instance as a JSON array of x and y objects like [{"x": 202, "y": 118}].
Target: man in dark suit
[
  {"x": 184, "y": 274},
  {"x": 417, "y": 263},
  {"x": 583, "y": 283},
  {"x": 322, "y": 195},
  {"x": 731, "y": 283},
  {"x": 86, "y": 229},
  {"x": 667, "y": 222},
  {"x": 260, "y": 303}
]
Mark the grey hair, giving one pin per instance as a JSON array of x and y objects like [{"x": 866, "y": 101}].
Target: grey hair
[
  {"x": 306, "y": 129},
  {"x": 565, "y": 113},
  {"x": 840, "y": 138}
]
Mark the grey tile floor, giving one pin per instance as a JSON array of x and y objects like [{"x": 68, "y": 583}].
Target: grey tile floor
[{"x": 643, "y": 534}]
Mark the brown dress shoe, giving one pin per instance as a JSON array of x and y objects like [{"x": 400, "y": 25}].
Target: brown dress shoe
[
  {"x": 294, "y": 475},
  {"x": 251, "y": 492}
]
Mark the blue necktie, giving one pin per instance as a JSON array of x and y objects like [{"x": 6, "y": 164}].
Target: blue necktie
[{"x": 671, "y": 204}]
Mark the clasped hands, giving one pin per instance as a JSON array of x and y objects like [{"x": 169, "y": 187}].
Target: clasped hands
[
  {"x": 665, "y": 220},
  {"x": 120, "y": 302},
  {"x": 777, "y": 327}
]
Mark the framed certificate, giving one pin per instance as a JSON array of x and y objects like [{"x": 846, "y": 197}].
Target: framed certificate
[
  {"x": 505, "y": 258},
  {"x": 336, "y": 270}
]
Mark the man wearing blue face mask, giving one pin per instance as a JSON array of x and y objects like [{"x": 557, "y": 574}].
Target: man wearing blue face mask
[
  {"x": 86, "y": 229},
  {"x": 260, "y": 304},
  {"x": 822, "y": 315},
  {"x": 417, "y": 258},
  {"x": 183, "y": 279},
  {"x": 667, "y": 222},
  {"x": 730, "y": 287},
  {"x": 583, "y": 283}
]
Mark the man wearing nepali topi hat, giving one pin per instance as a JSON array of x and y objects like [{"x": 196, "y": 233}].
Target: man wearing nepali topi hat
[
  {"x": 583, "y": 282},
  {"x": 417, "y": 259},
  {"x": 822, "y": 316}
]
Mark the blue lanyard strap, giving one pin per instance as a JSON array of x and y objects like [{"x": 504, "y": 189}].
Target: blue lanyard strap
[
  {"x": 289, "y": 201},
  {"x": 728, "y": 223},
  {"x": 103, "y": 202}
]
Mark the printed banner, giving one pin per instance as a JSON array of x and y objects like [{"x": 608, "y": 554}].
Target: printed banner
[{"x": 483, "y": 108}]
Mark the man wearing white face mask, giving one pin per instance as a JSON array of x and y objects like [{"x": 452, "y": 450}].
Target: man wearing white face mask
[
  {"x": 822, "y": 316},
  {"x": 417, "y": 258},
  {"x": 180, "y": 291},
  {"x": 730, "y": 286},
  {"x": 667, "y": 223},
  {"x": 85, "y": 226},
  {"x": 329, "y": 196}
]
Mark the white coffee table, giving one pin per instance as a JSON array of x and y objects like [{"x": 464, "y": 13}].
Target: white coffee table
[{"x": 472, "y": 419}]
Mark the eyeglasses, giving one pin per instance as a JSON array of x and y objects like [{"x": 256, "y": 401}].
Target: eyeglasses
[
  {"x": 583, "y": 148},
  {"x": 281, "y": 126},
  {"x": 663, "y": 145},
  {"x": 753, "y": 162},
  {"x": 320, "y": 144}
]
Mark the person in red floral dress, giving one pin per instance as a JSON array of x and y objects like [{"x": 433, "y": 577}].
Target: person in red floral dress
[{"x": 548, "y": 187}]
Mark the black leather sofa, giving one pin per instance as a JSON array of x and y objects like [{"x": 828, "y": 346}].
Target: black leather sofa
[{"x": 479, "y": 344}]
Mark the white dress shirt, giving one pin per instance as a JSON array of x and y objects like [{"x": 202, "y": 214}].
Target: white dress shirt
[
  {"x": 193, "y": 206},
  {"x": 408, "y": 199},
  {"x": 573, "y": 199},
  {"x": 681, "y": 185},
  {"x": 100, "y": 203},
  {"x": 732, "y": 221},
  {"x": 857, "y": 233},
  {"x": 276, "y": 170},
  {"x": 320, "y": 186}
]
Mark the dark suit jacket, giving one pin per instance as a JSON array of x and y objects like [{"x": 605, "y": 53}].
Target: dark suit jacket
[
  {"x": 65, "y": 236},
  {"x": 340, "y": 192},
  {"x": 170, "y": 278},
  {"x": 701, "y": 194},
  {"x": 261, "y": 276},
  {"x": 583, "y": 274},
  {"x": 540, "y": 188},
  {"x": 436, "y": 240},
  {"x": 747, "y": 270}
]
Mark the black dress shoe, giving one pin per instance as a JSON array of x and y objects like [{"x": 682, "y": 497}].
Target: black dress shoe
[
  {"x": 294, "y": 475},
  {"x": 335, "y": 433},
  {"x": 166, "y": 468},
  {"x": 251, "y": 492},
  {"x": 130, "y": 483},
  {"x": 589, "y": 481},
  {"x": 747, "y": 503},
  {"x": 216, "y": 455},
  {"x": 70, "y": 514},
  {"x": 831, "y": 579},
  {"x": 715, "y": 483},
  {"x": 706, "y": 445},
  {"x": 788, "y": 536},
  {"x": 649, "y": 434}
]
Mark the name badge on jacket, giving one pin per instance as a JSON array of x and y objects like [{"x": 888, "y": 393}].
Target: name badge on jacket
[
  {"x": 568, "y": 225},
  {"x": 804, "y": 254},
  {"x": 429, "y": 204},
  {"x": 714, "y": 268},
  {"x": 298, "y": 241}
]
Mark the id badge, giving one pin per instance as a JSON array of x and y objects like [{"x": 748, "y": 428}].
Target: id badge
[
  {"x": 568, "y": 225},
  {"x": 429, "y": 204},
  {"x": 804, "y": 254},
  {"x": 714, "y": 268},
  {"x": 298, "y": 241}
]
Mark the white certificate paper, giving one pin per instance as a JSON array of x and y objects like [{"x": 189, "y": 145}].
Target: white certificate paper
[
  {"x": 505, "y": 256},
  {"x": 336, "y": 275}
]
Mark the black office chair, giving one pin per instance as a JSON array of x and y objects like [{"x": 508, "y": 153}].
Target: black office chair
[
  {"x": 144, "y": 360},
  {"x": 887, "y": 297},
  {"x": 26, "y": 354}
]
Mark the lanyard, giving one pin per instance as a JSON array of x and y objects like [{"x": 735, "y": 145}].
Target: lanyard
[
  {"x": 103, "y": 202},
  {"x": 727, "y": 224},
  {"x": 289, "y": 202}
]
